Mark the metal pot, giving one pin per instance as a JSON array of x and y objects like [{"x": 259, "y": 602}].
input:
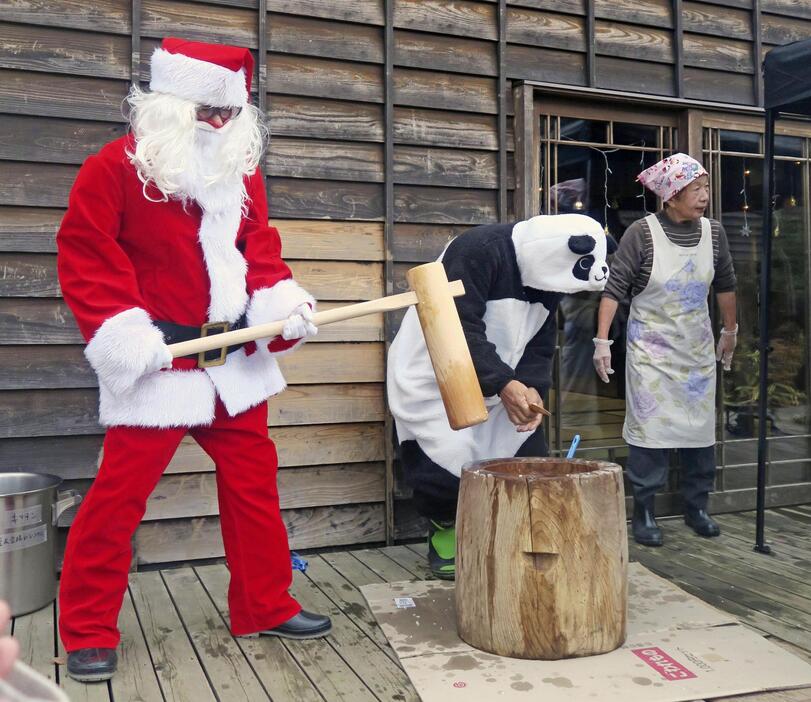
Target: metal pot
[{"x": 29, "y": 509}]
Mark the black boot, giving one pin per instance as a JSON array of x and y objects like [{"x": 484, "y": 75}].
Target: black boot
[
  {"x": 643, "y": 525},
  {"x": 701, "y": 522},
  {"x": 92, "y": 664},
  {"x": 304, "y": 625}
]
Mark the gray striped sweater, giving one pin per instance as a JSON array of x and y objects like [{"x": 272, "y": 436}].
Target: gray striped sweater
[{"x": 631, "y": 265}]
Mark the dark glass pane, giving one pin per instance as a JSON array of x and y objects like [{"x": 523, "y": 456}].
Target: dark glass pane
[
  {"x": 788, "y": 302},
  {"x": 636, "y": 134},
  {"x": 583, "y": 130},
  {"x": 795, "y": 450},
  {"x": 616, "y": 201},
  {"x": 788, "y": 307},
  {"x": 705, "y": 139},
  {"x": 744, "y": 142},
  {"x": 788, "y": 146},
  {"x": 582, "y": 186},
  {"x": 740, "y": 467},
  {"x": 741, "y": 210}
]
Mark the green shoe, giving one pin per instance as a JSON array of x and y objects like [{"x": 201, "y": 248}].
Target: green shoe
[{"x": 442, "y": 549}]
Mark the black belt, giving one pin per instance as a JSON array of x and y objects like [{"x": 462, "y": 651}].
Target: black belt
[{"x": 175, "y": 333}]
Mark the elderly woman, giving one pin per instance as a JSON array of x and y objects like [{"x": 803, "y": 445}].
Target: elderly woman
[{"x": 666, "y": 262}]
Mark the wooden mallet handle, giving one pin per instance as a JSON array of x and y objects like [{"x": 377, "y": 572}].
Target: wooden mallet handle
[{"x": 339, "y": 314}]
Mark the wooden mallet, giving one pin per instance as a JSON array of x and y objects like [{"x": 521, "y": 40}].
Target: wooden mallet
[{"x": 433, "y": 295}]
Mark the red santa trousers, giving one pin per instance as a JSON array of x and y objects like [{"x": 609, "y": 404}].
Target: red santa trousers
[{"x": 98, "y": 553}]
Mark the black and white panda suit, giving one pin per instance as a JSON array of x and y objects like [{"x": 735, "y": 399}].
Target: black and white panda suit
[{"x": 514, "y": 277}]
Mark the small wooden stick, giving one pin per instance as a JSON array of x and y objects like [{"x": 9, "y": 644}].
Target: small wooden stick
[{"x": 539, "y": 409}]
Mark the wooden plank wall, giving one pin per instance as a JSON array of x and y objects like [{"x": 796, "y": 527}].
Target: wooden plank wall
[{"x": 347, "y": 82}]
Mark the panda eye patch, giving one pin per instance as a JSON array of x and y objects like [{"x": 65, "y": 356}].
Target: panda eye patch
[
  {"x": 582, "y": 244},
  {"x": 582, "y": 267}
]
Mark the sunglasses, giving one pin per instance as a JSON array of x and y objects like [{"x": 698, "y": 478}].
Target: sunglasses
[{"x": 207, "y": 112}]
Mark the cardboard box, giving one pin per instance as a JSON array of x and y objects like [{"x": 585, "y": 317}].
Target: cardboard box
[{"x": 678, "y": 648}]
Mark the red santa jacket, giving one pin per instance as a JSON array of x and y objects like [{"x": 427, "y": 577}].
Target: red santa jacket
[{"x": 125, "y": 259}]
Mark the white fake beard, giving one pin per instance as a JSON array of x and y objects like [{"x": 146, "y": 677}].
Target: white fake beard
[
  {"x": 209, "y": 179},
  {"x": 191, "y": 160}
]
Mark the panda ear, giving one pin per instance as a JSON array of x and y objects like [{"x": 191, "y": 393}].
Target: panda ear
[
  {"x": 611, "y": 244},
  {"x": 582, "y": 244}
]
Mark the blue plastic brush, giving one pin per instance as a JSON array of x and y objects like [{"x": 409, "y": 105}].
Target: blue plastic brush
[{"x": 573, "y": 447}]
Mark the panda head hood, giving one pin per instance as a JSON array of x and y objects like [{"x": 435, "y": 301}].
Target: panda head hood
[{"x": 562, "y": 253}]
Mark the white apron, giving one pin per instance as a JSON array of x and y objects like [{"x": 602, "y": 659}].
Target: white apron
[{"x": 670, "y": 362}]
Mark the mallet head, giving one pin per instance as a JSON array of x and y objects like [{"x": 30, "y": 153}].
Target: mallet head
[{"x": 447, "y": 346}]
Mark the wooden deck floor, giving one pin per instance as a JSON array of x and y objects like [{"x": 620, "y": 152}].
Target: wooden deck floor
[{"x": 176, "y": 646}]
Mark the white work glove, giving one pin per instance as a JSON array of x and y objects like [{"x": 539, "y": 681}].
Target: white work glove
[
  {"x": 300, "y": 323},
  {"x": 602, "y": 358},
  {"x": 726, "y": 347}
]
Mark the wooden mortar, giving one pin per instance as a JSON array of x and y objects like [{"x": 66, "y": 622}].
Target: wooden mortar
[{"x": 542, "y": 557}]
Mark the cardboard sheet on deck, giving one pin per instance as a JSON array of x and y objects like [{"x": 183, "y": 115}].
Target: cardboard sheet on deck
[{"x": 678, "y": 648}]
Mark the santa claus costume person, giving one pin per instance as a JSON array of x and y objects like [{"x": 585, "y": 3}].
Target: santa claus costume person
[{"x": 166, "y": 238}]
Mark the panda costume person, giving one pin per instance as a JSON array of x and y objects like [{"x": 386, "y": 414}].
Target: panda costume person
[{"x": 514, "y": 276}]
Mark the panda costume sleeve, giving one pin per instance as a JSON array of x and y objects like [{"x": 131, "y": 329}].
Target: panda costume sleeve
[{"x": 514, "y": 277}]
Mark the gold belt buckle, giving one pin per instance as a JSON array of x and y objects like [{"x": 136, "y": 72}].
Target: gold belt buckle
[{"x": 210, "y": 329}]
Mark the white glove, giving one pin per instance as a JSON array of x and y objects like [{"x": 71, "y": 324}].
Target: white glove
[
  {"x": 300, "y": 323},
  {"x": 726, "y": 347},
  {"x": 602, "y": 358}
]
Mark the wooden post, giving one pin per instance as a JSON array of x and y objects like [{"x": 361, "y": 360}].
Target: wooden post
[
  {"x": 542, "y": 558},
  {"x": 527, "y": 153}
]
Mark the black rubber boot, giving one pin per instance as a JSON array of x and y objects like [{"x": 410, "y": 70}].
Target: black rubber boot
[
  {"x": 304, "y": 625},
  {"x": 701, "y": 523},
  {"x": 92, "y": 664},
  {"x": 643, "y": 525}
]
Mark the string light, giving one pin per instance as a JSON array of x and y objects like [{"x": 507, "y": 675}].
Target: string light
[
  {"x": 642, "y": 187},
  {"x": 608, "y": 172},
  {"x": 746, "y": 230},
  {"x": 604, "y": 153}
]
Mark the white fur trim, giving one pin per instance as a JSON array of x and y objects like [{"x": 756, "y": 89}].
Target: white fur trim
[
  {"x": 186, "y": 398},
  {"x": 225, "y": 264},
  {"x": 162, "y": 399},
  {"x": 123, "y": 348},
  {"x": 198, "y": 81},
  {"x": 278, "y": 302},
  {"x": 245, "y": 381}
]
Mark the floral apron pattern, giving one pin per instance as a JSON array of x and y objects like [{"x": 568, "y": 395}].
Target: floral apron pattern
[{"x": 670, "y": 361}]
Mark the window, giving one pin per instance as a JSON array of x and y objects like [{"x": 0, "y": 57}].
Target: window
[
  {"x": 588, "y": 163},
  {"x": 580, "y": 155},
  {"x": 735, "y": 160}
]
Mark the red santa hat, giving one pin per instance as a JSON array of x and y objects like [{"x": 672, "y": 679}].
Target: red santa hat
[{"x": 207, "y": 74}]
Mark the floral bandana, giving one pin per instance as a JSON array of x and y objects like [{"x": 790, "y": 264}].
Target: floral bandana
[{"x": 671, "y": 175}]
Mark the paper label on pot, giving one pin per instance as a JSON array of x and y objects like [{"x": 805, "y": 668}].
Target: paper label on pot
[
  {"x": 15, "y": 518},
  {"x": 23, "y": 539}
]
